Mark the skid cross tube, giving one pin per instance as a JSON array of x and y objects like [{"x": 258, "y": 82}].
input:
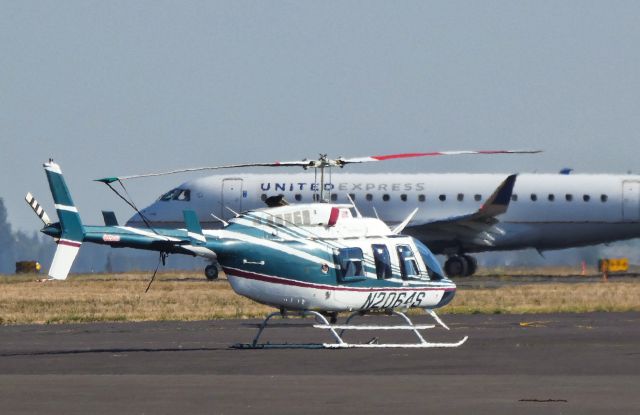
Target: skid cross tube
[{"x": 323, "y": 323}]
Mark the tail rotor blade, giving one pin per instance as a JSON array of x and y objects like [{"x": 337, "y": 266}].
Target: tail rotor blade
[{"x": 37, "y": 209}]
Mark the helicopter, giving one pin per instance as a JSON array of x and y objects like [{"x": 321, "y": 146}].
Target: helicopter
[{"x": 315, "y": 259}]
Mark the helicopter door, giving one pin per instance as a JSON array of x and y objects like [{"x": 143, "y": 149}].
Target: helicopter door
[{"x": 231, "y": 197}]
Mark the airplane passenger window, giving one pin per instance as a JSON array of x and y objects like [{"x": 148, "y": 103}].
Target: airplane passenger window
[
  {"x": 316, "y": 197},
  {"x": 298, "y": 197},
  {"x": 586, "y": 198},
  {"x": 514, "y": 197},
  {"x": 382, "y": 260},
  {"x": 421, "y": 198},
  {"x": 551, "y": 197},
  {"x": 534, "y": 197},
  {"x": 568, "y": 197},
  {"x": 403, "y": 198},
  {"x": 604, "y": 198},
  {"x": 442, "y": 198},
  {"x": 460, "y": 197},
  {"x": 263, "y": 197},
  {"x": 369, "y": 197},
  {"x": 352, "y": 196},
  {"x": 477, "y": 198},
  {"x": 334, "y": 197},
  {"x": 408, "y": 264},
  {"x": 385, "y": 198}
]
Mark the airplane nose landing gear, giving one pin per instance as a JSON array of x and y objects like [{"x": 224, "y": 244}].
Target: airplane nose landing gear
[{"x": 460, "y": 266}]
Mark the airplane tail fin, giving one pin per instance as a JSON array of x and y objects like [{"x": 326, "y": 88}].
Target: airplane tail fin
[
  {"x": 72, "y": 231},
  {"x": 194, "y": 229}
]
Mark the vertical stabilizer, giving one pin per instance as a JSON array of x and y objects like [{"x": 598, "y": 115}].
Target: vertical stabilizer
[{"x": 70, "y": 224}]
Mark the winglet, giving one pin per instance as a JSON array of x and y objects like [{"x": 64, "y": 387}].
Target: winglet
[{"x": 499, "y": 201}]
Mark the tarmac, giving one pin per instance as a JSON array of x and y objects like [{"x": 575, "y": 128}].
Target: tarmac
[{"x": 524, "y": 364}]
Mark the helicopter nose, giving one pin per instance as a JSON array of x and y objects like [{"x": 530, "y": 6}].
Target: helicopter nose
[{"x": 447, "y": 297}]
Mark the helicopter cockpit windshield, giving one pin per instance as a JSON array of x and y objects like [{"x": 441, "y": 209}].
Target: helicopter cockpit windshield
[{"x": 433, "y": 266}]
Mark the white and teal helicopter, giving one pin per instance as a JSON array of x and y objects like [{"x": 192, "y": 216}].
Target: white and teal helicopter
[{"x": 316, "y": 259}]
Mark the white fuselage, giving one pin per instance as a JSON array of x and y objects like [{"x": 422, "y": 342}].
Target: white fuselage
[{"x": 547, "y": 211}]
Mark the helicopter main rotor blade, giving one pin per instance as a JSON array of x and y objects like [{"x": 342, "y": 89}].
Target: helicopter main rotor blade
[
  {"x": 321, "y": 163},
  {"x": 342, "y": 161},
  {"x": 192, "y": 169}
]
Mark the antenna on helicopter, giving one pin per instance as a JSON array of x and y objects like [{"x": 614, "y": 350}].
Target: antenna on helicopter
[{"x": 354, "y": 206}]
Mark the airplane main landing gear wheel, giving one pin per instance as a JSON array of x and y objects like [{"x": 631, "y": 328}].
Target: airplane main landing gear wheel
[
  {"x": 455, "y": 266},
  {"x": 211, "y": 272},
  {"x": 460, "y": 266}
]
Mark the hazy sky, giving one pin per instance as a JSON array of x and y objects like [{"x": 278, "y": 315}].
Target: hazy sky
[{"x": 118, "y": 87}]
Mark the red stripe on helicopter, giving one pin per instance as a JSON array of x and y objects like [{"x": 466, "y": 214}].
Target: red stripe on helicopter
[
  {"x": 285, "y": 281},
  {"x": 69, "y": 243},
  {"x": 436, "y": 153}
]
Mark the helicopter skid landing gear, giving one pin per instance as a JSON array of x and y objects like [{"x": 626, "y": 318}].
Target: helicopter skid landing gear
[{"x": 341, "y": 344}]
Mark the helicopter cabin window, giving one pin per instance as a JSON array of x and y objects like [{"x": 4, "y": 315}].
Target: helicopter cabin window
[
  {"x": 408, "y": 263},
  {"x": 385, "y": 198},
  {"x": 403, "y": 197},
  {"x": 460, "y": 197},
  {"x": 422, "y": 198},
  {"x": 349, "y": 262},
  {"x": 334, "y": 197},
  {"x": 382, "y": 260},
  {"x": 369, "y": 197},
  {"x": 514, "y": 197},
  {"x": 442, "y": 198},
  {"x": 477, "y": 198}
]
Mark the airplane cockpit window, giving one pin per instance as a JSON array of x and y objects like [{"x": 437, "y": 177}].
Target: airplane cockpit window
[
  {"x": 168, "y": 196},
  {"x": 349, "y": 261},
  {"x": 184, "y": 195},
  {"x": 604, "y": 198},
  {"x": 408, "y": 264},
  {"x": 382, "y": 260},
  {"x": 433, "y": 266},
  {"x": 176, "y": 194}
]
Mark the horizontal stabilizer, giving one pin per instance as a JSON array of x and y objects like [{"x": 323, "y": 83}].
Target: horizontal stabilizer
[
  {"x": 65, "y": 255},
  {"x": 109, "y": 218},
  {"x": 194, "y": 229}
]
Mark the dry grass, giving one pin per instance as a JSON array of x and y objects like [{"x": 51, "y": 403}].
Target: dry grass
[{"x": 183, "y": 296}]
